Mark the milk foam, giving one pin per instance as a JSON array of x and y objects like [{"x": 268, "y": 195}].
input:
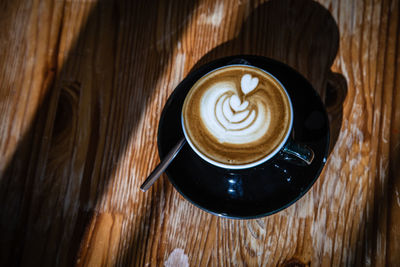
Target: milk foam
[
  {"x": 236, "y": 115},
  {"x": 233, "y": 116}
]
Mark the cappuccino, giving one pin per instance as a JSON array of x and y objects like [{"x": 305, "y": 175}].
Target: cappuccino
[{"x": 237, "y": 115}]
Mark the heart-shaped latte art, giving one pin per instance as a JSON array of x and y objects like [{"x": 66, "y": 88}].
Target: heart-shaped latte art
[
  {"x": 248, "y": 83},
  {"x": 236, "y": 104}
]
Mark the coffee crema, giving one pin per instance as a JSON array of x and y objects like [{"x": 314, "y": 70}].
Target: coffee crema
[{"x": 236, "y": 115}]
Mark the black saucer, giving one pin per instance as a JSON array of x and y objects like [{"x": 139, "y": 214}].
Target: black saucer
[{"x": 258, "y": 191}]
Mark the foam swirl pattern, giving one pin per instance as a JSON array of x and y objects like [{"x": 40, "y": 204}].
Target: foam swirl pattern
[{"x": 231, "y": 120}]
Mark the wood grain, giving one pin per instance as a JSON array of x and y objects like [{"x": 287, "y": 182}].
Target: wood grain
[{"x": 82, "y": 87}]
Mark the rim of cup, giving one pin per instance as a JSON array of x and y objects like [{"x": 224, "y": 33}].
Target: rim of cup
[{"x": 251, "y": 164}]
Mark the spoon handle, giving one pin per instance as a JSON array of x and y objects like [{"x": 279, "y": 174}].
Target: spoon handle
[{"x": 156, "y": 173}]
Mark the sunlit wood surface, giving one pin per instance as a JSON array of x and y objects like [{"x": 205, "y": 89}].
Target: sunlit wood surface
[{"x": 82, "y": 87}]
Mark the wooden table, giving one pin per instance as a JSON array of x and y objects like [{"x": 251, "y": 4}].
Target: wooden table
[{"x": 82, "y": 86}]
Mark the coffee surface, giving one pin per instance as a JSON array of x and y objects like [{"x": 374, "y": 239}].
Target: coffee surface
[{"x": 236, "y": 115}]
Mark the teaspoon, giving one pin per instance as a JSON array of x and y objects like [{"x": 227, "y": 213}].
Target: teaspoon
[{"x": 156, "y": 173}]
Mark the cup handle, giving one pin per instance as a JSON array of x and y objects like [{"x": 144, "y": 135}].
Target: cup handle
[{"x": 298, "y": 154}]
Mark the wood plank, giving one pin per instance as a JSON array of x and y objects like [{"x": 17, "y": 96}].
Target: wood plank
[{"x": 82, "y": 87}]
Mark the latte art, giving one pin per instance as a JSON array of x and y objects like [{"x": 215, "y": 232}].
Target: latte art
[
  {"x": 232, "y": 119},
  {"x": 236, "y": 115}
]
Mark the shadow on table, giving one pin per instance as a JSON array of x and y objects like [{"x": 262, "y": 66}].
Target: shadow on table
[
  {"x": 302, "y": 34},
  {"x": 62, "y": 165}
]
